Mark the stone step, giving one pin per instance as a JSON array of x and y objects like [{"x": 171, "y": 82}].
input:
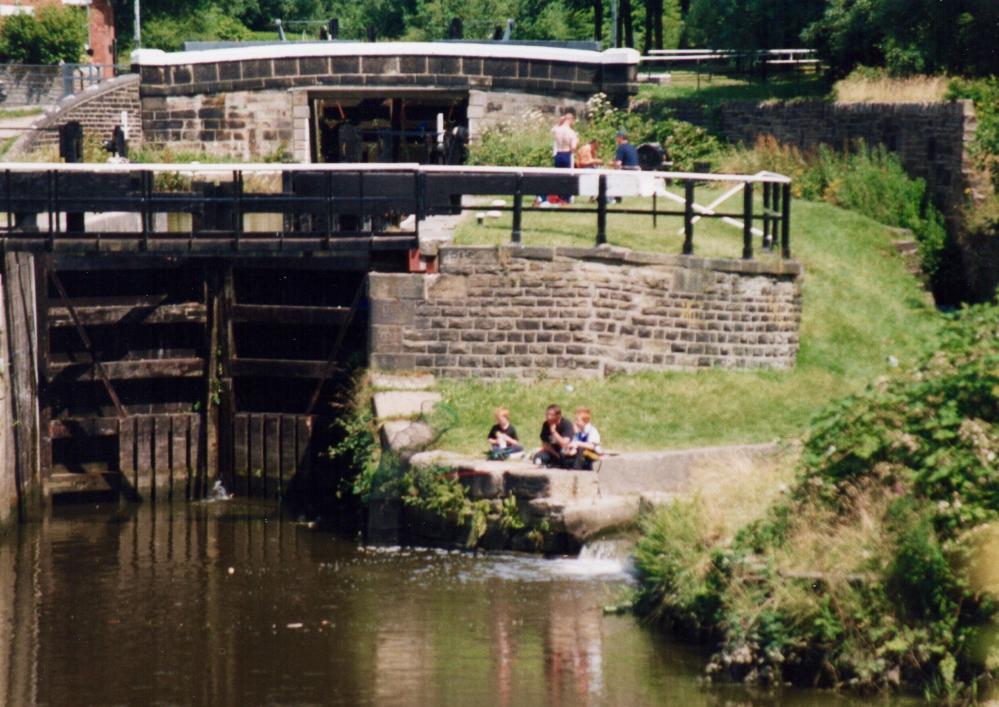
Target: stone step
[
  {"x": 397, "y": 404},
  {"x": 396, "y": 382},
  {"x": 401, "y": 436}
]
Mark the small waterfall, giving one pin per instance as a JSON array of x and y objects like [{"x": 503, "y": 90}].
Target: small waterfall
[{"x": 602, "y": 557}]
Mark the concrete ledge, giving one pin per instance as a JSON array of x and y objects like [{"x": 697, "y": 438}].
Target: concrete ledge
[
  {"x": 402, "y": 382},
  {"x": 670, "y": 472},
  {"x": 404, "y": 404},
  {"x": 588, "y": 519}
]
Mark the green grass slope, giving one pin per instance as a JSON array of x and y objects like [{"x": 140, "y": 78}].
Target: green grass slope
[{"x": 861, "y": 307}]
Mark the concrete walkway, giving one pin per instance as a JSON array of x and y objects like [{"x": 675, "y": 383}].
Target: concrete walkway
[
  {"x": 16, "y": 127},
  {"x": 585, "y": 504}
]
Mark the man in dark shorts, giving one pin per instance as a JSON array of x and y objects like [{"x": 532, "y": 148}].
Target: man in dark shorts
[{"x": 556, "y": 436}]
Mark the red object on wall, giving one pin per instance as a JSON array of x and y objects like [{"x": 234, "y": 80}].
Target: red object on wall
[
  {"x": 420, "y": 263},
  {"x": 100, "y": 28}
]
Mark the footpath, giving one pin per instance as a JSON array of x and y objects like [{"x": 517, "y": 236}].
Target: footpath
[{"x": 560, "y": 510}]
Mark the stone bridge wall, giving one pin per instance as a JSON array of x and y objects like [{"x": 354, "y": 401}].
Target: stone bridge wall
[
  {"x": 254, "y": 101},
  {"x": 524, "y": 312}
]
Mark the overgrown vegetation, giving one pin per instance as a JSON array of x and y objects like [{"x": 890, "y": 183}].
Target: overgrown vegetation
[
  {"x": 866, "y": 180},
  {"x": 169, "y": 32},
  {"x": 868, "y": 573},
  {"x": 53, "y": 33},
  {"x": 872, "y": 85},
  {"x": 376, "y": 475},
  {"x": 985, "y": 148},
  {"x": 526, "y": 141}
]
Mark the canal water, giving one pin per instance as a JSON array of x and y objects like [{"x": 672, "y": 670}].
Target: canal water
[{"x": 229, "y": 603}]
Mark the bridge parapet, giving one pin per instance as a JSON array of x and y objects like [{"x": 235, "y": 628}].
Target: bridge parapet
[{"x": 542, "y": 70}]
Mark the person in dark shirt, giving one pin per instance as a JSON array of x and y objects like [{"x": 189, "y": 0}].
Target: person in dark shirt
[
  {"x": 503, "y": 440},
  {"x": 556, "y": 436},
  {"x": 626, "y": 156}
]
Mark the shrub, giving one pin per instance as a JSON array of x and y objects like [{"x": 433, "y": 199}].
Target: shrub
[
  {"x": 169, "y": 32},
  {"x": 52, "y": 34},
  {"x": 527, "y": 141},
  {"x": 867, "y": 573},
  {"x": 985, "y": 148}
]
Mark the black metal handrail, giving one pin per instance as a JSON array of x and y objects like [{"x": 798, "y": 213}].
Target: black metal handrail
[{"x": 327, "y": 207}]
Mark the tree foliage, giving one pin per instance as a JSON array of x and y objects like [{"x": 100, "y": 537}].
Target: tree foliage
[
  {"x": 53, "y": 33},
  {"x": 908, "y": 36}
]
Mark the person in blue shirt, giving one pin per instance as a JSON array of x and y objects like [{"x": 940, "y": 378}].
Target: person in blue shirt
[{"x": 626, "y": 156}]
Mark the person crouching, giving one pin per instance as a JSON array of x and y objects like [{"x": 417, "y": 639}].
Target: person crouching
[{"x": 556, "y": 436}]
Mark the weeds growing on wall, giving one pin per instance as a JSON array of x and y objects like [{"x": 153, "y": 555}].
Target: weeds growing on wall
[
  {"x": 985, "y": 95},
  {"x": 874, "y": 570}
]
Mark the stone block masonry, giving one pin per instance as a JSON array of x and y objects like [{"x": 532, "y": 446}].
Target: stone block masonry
[
  {"x": 243, "y": 124},
  {"x": 567, "y": 312},
  {"x": 255, "y": 101}
]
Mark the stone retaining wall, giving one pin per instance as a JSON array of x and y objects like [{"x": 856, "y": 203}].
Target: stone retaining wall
[
  {"x": 929, "y": 138},
  {"x": 525, "y": 312}
]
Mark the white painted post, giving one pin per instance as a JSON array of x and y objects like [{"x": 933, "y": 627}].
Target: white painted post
[{"x": 138, "y": 26}]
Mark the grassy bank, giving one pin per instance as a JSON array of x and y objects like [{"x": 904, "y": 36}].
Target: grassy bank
[
  {"x": 712, "y": 89},
  {"x": 861, "y": 307}
]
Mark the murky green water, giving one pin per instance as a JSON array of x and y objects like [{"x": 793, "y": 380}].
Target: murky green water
[{"x": 228, "y": 604}]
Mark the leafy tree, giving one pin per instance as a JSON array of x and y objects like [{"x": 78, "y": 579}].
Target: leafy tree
[
  {"x": 750, "y": 24},
  {"x": 170, "y": 32},
  {"x": 908, "y": 36},
  {"x": 52, "y": 34}
]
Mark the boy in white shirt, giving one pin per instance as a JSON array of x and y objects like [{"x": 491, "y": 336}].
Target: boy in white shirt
[{"x": 585, "y": 446}]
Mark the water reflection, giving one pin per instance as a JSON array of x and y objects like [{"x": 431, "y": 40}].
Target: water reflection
[{"x": 229, "y": 604}]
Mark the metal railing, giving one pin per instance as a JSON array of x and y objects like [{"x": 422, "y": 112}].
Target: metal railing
[
  {"x": 44, "y": 84},
  {"x": 740, "y": 61},
  {"x": 306, "y": 208}
]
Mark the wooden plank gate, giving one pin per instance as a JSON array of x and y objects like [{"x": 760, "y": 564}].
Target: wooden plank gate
[{"x": 160, "y": 376}]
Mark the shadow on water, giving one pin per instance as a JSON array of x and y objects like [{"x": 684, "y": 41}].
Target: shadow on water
[{"x": 229, "y": 603}]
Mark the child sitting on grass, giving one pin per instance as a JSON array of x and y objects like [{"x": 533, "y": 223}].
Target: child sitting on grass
[{"x": 503, "y": 441}]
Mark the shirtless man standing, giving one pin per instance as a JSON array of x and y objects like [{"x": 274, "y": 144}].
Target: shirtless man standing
[{"x": 566, "y": 142}]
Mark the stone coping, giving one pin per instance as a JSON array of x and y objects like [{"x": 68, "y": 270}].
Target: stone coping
[
  {"x": 626, "y": 256},
  {"x": 157, "y": 57}
]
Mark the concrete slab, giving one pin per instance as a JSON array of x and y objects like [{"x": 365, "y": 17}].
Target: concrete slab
[
  {"x": 586, "y": 519},
  {"x": 559, "y": 484},
  {"x": 404, "y": 404},
  {"x": 671, "y": 471},
  {"x": 390, "y": 381}
]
